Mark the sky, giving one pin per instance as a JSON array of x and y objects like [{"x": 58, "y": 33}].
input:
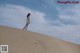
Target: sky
[{"x": 47, "y": 17}]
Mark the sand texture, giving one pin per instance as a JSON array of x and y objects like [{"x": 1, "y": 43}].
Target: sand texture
[{"x": 21, "y": 41}]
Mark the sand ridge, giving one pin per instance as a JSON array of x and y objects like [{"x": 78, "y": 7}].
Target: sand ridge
[{"x": 20, "y": 41}]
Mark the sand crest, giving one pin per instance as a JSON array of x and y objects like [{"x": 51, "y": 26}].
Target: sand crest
[{"x": 20, "y": 41}]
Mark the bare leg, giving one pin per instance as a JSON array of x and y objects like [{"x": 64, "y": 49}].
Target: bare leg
[{"x": 26, "y": 26}]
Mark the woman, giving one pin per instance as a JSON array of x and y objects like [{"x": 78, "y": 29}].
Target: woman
[{"x": 27, "y": 21}]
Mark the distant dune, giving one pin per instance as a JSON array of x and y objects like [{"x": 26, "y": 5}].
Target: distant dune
[{"x": 20, "y": 41}]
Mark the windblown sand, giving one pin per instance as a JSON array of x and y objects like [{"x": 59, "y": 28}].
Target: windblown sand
[{"x": 20, "y": 41}]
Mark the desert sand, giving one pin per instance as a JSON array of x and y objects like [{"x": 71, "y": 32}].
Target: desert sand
[{"x": 21, "y": 41}]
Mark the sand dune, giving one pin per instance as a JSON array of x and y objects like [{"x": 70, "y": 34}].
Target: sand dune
[{"x": 20, "y": 41}]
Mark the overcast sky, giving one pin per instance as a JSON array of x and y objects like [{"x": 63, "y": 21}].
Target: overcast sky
[{"x": 47, "y": 17}]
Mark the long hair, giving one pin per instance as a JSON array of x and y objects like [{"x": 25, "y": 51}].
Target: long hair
[{"x": 28, "y": 14}]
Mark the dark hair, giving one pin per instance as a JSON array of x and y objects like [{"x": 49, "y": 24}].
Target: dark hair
[{"x": 28, "y": 14}]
